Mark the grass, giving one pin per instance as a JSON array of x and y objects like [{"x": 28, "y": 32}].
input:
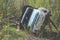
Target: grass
[{"x": 10, "y": 33}]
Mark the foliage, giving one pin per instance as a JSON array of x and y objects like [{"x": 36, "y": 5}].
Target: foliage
[
  {"x": 10, "y": 33},
  {"x": 10, "y": 10}
]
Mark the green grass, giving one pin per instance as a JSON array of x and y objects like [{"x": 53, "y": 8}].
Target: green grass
[{"x": 10, "y": 33}]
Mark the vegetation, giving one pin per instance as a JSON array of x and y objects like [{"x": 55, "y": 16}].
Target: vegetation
[{"x": 10, "y": 11}]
